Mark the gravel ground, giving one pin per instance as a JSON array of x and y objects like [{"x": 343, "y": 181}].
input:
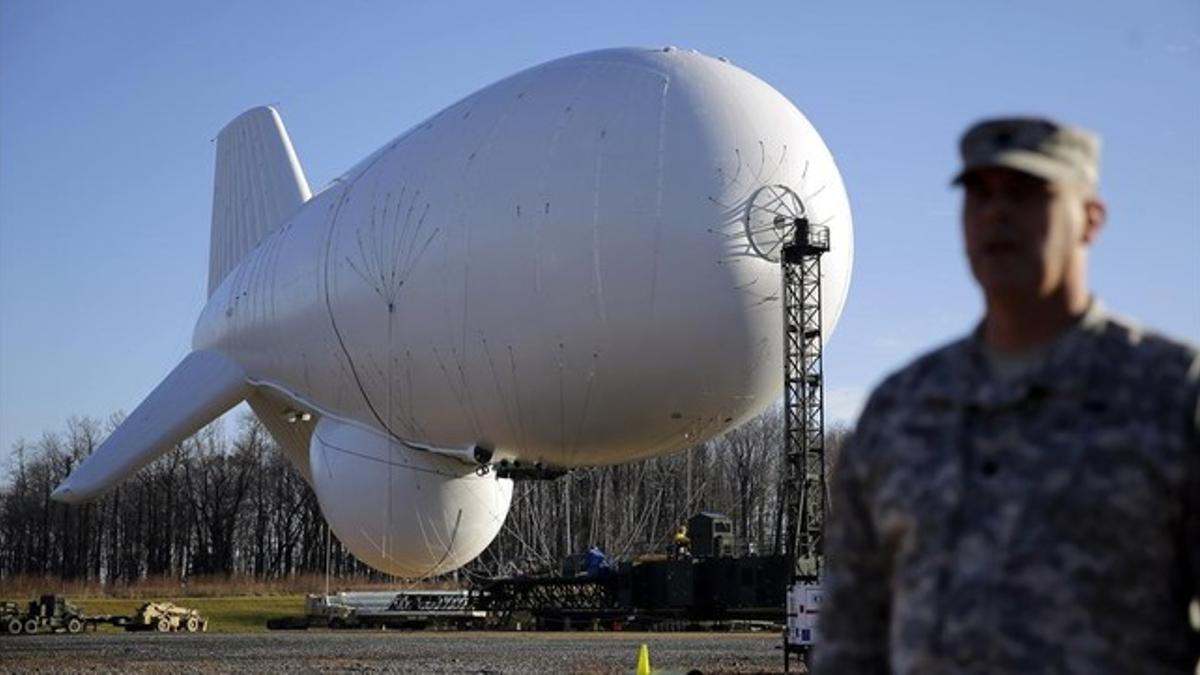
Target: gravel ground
[{"x": 429, "y": 652}]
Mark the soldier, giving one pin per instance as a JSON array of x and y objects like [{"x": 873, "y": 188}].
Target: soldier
[{"x": 1025, "y": 499}]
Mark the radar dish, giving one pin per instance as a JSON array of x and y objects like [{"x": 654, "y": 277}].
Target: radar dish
[{"x": 769, "y": 219}]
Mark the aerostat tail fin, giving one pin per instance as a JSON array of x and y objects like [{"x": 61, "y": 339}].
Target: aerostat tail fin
[
  {"x": 200, "y": 389},
  {"x": 258, "y": 183}
]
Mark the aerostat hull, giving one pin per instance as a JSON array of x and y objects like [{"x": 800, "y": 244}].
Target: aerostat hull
[{"x": 575, "y": 266}]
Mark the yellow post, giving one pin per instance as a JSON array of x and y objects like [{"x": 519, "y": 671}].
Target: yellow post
[{"x": 643, "y": 666}]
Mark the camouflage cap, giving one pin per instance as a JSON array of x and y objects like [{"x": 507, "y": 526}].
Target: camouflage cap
[{"x": 1039, "y": 147}]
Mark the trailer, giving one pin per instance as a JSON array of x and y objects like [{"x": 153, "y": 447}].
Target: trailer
[
  {"x": 652, "y": 593},
  {"x": 413, "y": 609}
]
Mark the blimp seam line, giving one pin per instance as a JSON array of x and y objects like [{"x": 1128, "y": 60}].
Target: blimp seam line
[
  {"x": 408, "y": 237},
  {"x": 597, "y": 277},
  {"x": 381, "y": 260},
  {"x": 257, "y": 188},
  {"x": 512, "y": 360},
  {"x": 389, "y": 462},
  {"x": 424, "y": 540},
  {"x": 466, "y": 400},
  {"x": 429, "y": 549},
  {"x": 454, "y": 391},
  {"x": 233, "y": 209},
  {"x": 279, "y": 184},
  {"x": 371, "y": 541},
  {"x": 411, "y": 413},
  {"x": 540, "y": 221},
  {"x": 391, "y": 471},
  {"x": 421, "y": 253},
  {"x": 602, "y": 62},
  {"x": 398, "y": 232},
  {"x": 333, "y": 320},
  {"x": 587, "y": 399},
  {"x": 246, "y": 187},
  {"x": 389, "y": 244},
  {"x": 261, "y": 200},
  {"x": 233, "y": 203},
  {"x": 487, "y": 352},
  {"x": 249, "y": 186},
  {"x": 277, "y": 245},
  {"x": 263, "y": 280},
  {"x": 448, "y": 546},
  {"x": 658, "y": 190},
  {"x": 396, "y": 252},
  {"x": 816, "y": 192},
  {"x": 462, "y": 378},
  {"x": 562, "y": 412},
  {"x": 363, "y": 274},
  {"x": 396, "y": 272},
  {"x": 323, "y": 412},
  {"x": 370, "y": 252},
  {"x": 408, "y": 244}
]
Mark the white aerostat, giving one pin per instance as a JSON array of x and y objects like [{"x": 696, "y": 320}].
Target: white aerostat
[{"x": 571, "y": 267}]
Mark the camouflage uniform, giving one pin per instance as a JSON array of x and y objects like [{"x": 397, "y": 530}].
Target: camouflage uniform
[{"x": 1045, "y": 523}]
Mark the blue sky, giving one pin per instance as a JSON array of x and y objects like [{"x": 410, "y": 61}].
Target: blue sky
[{"x": 108, "y": 110}]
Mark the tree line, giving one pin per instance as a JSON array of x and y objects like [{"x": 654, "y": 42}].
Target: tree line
[{"x": 230, "y": 504}]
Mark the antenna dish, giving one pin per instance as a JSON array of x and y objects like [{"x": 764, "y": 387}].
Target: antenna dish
[{"x": 769, "y": 219}]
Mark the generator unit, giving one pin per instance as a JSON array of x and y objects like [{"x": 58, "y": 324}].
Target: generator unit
[{"x": 711, "y": 535}]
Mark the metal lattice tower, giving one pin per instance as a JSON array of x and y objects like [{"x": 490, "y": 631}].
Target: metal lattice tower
[
  {"x": 804, "y": 410},
  {"x": 778, "y": 230}
]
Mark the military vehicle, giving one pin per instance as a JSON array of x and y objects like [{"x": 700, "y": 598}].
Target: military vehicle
[
  {"x": 47, "y": 614},
  {"x": 166, "y": 617}
]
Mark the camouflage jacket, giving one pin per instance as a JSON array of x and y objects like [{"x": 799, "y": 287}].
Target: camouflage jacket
[{"x": 1048, "y": 523}]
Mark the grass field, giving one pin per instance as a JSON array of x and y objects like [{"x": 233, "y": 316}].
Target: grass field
[
  {"x": 231, "y": 604},
  {"x": 243, "y": 614}
]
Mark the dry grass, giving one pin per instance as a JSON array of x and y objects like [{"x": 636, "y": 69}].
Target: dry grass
[
  {"x": 25, "y": 587},
  {"x": 231, "y": 605},
  {"x": 225, "y": 615}
]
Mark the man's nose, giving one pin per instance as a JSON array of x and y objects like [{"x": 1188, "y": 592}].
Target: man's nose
[{"x": 995, "y": 208}]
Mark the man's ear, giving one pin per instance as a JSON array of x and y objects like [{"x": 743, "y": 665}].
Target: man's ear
[{"x": 1095, "y": 213}]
